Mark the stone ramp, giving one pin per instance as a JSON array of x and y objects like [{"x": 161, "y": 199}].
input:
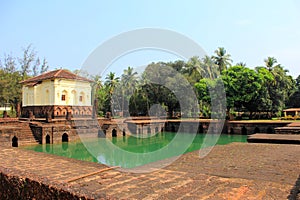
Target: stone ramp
[
  {"x": 274, "y": 138},
  {"x": 235, "y": 171}
]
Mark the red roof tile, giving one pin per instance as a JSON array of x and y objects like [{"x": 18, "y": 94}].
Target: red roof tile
[{"x": 59, "y": 73}]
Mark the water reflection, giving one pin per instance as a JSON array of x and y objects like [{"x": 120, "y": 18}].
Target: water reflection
[{"x": 132, "y": 150}]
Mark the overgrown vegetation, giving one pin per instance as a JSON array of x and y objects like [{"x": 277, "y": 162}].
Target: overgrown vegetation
[{"x": 257, "y": 92}]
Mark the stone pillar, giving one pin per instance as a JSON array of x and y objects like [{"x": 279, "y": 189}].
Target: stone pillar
[
  {"x": 5, "y": 114},
  {"x": 18, "y": 109},
  {"x": 69, "y": 116},
  {"x": 95, "y": 109},
  {"x": 49, "y": 117},
  {"x": 31, "y": 116}
]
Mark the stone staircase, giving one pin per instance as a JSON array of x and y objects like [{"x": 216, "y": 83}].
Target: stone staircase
[
  {"x": 26, "y": 136},
  {"x": 293, "y": 128}
]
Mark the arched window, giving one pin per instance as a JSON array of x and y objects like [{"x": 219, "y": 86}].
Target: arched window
[
  {"x": 74, "y": 97},
  {"x": 82, "y": 98},
  {"x": 64, "y": 96}
]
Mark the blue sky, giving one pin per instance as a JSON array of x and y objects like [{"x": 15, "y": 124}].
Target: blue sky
[{"x": 66, "y": 32}]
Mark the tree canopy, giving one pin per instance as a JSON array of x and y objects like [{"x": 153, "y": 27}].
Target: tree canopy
[{"x": 266, "y": 89}]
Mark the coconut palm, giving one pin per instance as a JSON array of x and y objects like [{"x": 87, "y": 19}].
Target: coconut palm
[
  {"x": 209, "y": 67},
  {"x": 111, "y": 82},
  {"x": 96, "y": 85},
  {"x": 129, "y": 83},
  {"x": 222, "y": 59},
  {"x": 242, "y": 64},
  {"x": 193, "y": 70},
  {"x": 270, "y": 63}
]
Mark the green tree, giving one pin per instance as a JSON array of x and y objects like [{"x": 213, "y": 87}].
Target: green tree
[
  {"x": 280, "y": 88},
  {"x": 222, "y": 59},
  {"x": 294, "y": 100},
  {"x": 242, "y": 87},
  {"x": 128, "y": 86},
  {"x": 111, "y": 83},
  {"x": 193, "y": 70},
  {"x": 210, "y": 69},
  {"x": 26, "y": 61}
]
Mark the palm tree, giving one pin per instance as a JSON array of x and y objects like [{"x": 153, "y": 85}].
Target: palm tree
[
  {"x": 222, "y": 59},
  {"x": 193, "y": 69},
  {"x": 96, "y": 85},
  {"x": 129, "y": 77},
  {"x": 129, "y": 82},
  {"x": 111, "y": 82},
  {"x": 270, "y": 63},
  {"x": 210, "y": 68},
  {"x": 242, "y": 64}
]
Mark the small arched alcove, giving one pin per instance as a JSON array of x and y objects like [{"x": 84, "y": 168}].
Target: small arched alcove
[
  {"x": 65, "y": 137},
  {"x": 172, "y": 128},
  {"x": 244, "y": 130},
  {"x": 270, "y": 130},
  {"x": 114, "y": 133},
  {"x": 47, "y": 139},
  {"x": 15, "y": 142},
  {"x": 200, "y": 128},
  {"x": 256, "y": 130}
]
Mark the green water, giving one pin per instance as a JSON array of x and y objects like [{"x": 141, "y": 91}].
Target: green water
[{"x": 130, "y": 151}]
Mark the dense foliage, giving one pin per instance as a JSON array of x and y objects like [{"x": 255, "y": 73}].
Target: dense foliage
[
  {"x": 260, "y": 92},
  {"x": 15, "y": 69}
]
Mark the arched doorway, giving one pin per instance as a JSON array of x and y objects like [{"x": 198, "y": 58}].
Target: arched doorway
[
  {"x": 65, "y": 137},
  {"x": 244, "y": 131},
  {"x": 270, "y": 130},
  {"x": 256, "y": 130},
  {"x": 15, "y": 142},
  {"x": 114, "y": 133},
  {"x": 173, "y": 128},
  {"x": 47, "y": 139},
  {"x": 124, "y": 132},
  {"x": 200, "y": 128}
]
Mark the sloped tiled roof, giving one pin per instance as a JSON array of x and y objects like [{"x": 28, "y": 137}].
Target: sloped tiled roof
[{"x": 59, "y": 73}]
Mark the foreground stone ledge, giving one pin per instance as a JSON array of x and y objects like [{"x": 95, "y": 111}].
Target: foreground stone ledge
[
  {"x": 234, "y": 171},
  {"x": 22, "y": 187}
]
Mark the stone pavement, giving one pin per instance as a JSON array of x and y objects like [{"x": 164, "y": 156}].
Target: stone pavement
[{"x": 234, "y": 171}]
